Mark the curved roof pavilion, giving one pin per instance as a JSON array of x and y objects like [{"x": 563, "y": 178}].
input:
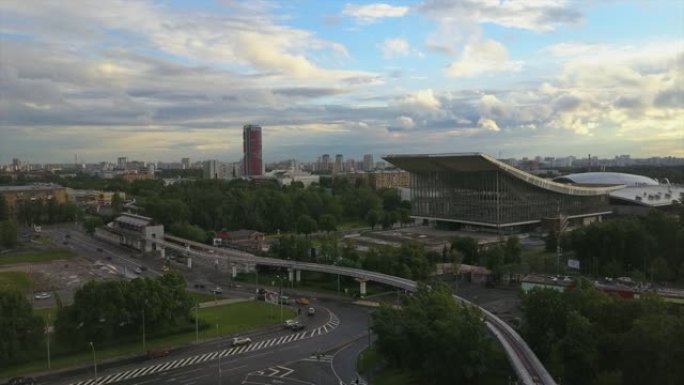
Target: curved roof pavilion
[{"x": 479, "y": 190}]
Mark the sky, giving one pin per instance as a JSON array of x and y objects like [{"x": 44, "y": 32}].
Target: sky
[{"x": 162, "y": 80}]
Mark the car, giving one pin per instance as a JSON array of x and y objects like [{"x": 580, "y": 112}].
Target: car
[
  {"x": 22, "y": 381},
  {"x": 285, "y": 300},
  {"x": 137, "y": 270},
  {"x": 65, "y": 242},
  {"x": 99, "y": 249},
  {"x": 302, "y": 301},
  {"x": 42, "y": 295},
  {"x": 67, "y": 236},
  {"x": 311, "y": 311},
  {"x": 109, "y": 257},
  {"x": 218, "y": 290},
  {"x": 239, "y": 341},
  {"x": 288, "y": 324},
  {"x": 297, "y": 326},
  {"x": 143, "y": 268}
]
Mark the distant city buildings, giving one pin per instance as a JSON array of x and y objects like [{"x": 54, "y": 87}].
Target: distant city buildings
[{"x": 252, "y": 151}]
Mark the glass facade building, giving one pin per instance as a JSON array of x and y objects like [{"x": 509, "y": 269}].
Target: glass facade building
[{"x": 475, "y": 189}]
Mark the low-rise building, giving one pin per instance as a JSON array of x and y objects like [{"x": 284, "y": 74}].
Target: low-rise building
[{"x": 15, "y": 194}]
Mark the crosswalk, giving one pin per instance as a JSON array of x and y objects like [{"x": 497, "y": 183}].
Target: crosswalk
[{"x": 333, "y": 322}]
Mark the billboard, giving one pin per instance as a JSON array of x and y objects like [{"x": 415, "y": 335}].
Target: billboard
[{"x": 573, "y": 264}]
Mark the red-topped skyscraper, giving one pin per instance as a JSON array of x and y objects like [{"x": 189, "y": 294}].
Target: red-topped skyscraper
[{"x": 251, "y": 145}]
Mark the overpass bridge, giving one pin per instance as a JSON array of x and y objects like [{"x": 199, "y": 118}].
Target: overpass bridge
[{"x": 525, "y": 363}]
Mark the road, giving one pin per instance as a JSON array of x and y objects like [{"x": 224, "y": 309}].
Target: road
[{"x": 277, "y": 356}]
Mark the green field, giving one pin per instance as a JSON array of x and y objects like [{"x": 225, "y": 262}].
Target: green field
[
  {"x": 38, "y": 256},
  {"x": 231, "y": 319},
  {"x": 15, "y": 280},
  {"x": 202, "y": 297}
]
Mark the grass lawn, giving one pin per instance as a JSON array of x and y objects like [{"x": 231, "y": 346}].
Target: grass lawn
[
  {"x": 38, "y": 256},
  {"x": 43, "y": 313},
  {"x": 201, "y": 297},
  {"x": 232, "y": 318},
  {"x": 15, "y": 280}
]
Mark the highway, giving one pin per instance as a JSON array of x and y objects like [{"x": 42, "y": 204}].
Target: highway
[{"x": 523, "y": 360}]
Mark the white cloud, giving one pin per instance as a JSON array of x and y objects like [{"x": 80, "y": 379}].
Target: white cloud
[
  {"x": 405, "y": 122},
  {"x": 395, "y": 47},
  {"x": 423, "y": 101},
  {"x": 488, "y": 124},
  {"x": 480, "y": 57},
  {"x": 534, "y": 15},
  {"x": 370, "y": 13}
]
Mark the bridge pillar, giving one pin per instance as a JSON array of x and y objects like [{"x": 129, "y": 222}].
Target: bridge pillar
[
  {"x": 362, "y": 286},
  {"x": 233, "y": 272},
  {"x": 189, "y": 263},
  {"x": 290, "y": 273},
  {"x": 298, "y": 276}
]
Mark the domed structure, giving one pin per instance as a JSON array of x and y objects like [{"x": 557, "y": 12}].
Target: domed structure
[{"x": 607, "y": 179}]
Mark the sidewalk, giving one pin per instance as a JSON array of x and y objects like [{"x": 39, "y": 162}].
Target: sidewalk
[{"x": 221, "y": 302}]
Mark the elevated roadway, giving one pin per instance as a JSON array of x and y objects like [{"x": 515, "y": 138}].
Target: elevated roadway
[{"x": 525, "y": 363}]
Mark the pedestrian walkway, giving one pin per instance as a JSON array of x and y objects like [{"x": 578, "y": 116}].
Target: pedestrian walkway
[
  {"x": 332, "y": 324},
  {"x": 221, "y": 302}
]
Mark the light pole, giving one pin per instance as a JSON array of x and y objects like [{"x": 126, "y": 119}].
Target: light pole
[
  {"x": 47, "y": 333},
  {"x": 94, "y": 360},
  {"x": 218, "y": 343},
  {"x": 280, "y": 295},
  {"x": 143, "y": 324},
  {"x": 196, "y": 321}
]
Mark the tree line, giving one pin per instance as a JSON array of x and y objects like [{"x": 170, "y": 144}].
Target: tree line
[
  {"x": 105, "y": 313},
  {"x": 645, "y": 247},
  {"x": 212, "y": 205},
  {"x": 587, "y": 337}
]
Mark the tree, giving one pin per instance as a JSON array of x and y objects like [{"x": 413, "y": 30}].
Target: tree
[
  {"x": 434, "y": 337},
  {"x": 117, "y": 203},
  {"x": 468, "y": 247},
  {"x": 404, "y": 216},
  {"x": 306, "y": 225},
  {"x": 9, "y": 233},
  {"x": 579, "y": 350},
  {"x": 4, "y": 209},
  {"x": 373, "y": 217},
  {"x": 512, "y": 249},
  {"x": 328, "y": 223},
  {"x": 91, "y": 223},
  {"x": 21, "y": 333},
  {"x": 544, "y": 320}
]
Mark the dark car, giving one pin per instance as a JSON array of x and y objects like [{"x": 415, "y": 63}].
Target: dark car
[
  {"x": 297, "y": 326},
  {"x": 99, "y": 249}
]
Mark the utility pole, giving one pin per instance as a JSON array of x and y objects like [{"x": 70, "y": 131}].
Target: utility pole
[
  {"x": 47, "y": 332},
  {"x": 196, "y": 321},
  {"x": 94, "y": 360}
]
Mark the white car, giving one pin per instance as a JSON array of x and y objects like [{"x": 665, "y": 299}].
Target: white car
[
  {"x": 239, "y": 341},
  {"x": 42, "y": 295},
  {"x": 288, "y": 324}
]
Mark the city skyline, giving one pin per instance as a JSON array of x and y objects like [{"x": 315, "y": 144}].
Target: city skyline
[{"x": 165, "y": 80}]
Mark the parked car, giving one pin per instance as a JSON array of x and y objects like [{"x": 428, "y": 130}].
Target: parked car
[
  {"x": 311, "y": 311},
  {"x": 302, "y": 301},
  {"x": 239, "y": 341},
  {"x": 42, "y": 295}
]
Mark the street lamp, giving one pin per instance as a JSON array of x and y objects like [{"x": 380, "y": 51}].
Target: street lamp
[
  {"x": 143, "y": 325},
  {"x": 94, "y": 360},
  {"x": 47, "y": 333},
  {"x": 196, "y": 321},
  {"x": 280, "y": 295},
  {"x": 218, "y": 343}
]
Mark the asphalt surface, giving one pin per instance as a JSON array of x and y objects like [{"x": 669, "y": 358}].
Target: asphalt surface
[
  {"x": 321, "y": 358},
  {"x": 323, "y": 353}
]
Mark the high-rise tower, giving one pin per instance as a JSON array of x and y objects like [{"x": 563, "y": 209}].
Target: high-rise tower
[{"x": 251, "y": 145}]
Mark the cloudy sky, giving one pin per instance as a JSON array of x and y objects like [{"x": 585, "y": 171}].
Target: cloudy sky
[{"x": 161, "y": 80}]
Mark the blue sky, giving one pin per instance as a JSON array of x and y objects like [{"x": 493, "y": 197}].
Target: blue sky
[{"x": 161, "y": 80}]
